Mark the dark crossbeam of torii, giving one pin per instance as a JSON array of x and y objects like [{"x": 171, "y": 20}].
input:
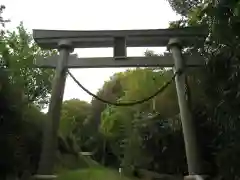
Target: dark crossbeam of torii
[{"x": 66, "y": 41}]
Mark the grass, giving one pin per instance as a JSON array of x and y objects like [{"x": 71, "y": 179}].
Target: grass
[
  {"x": 68, "y": 162},
  {"x": 84, "y": 168},
  {"x": 94, "y": 173}
]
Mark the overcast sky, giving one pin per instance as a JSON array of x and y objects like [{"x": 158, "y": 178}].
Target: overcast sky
[{"x": 90, "y": 15}]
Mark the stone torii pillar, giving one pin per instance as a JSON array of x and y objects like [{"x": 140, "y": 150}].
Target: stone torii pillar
[
  {"x": 48, "y": 154},
  {"x": 188, "y": 124}
]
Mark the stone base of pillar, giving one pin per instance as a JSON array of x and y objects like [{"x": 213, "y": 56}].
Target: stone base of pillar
[
  {"x": 196, "y": 177},
  {"x": 44, "y": 177}
]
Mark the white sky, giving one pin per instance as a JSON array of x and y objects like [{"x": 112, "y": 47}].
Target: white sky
[{"x": 90, "y": 15}]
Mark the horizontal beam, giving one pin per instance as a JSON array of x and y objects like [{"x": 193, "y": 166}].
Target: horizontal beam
[
  {"x": 109, "y": 62},
  {"x": 105, "y": 38}
]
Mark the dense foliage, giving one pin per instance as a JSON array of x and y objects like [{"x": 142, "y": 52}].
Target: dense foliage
[
  {"x": 146, "y": 139},
  {"x": 23, "y": 91}
]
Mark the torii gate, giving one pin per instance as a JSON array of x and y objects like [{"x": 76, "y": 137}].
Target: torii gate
[{"x": 66, "y": 41}]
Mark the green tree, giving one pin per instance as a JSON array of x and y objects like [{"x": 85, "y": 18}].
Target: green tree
[
  {"x": 74, "y": 120},
  {"x": 75, "y": 135},
  {"x": 119, "y": 124},
  {"x": 21, "y": 85},
  {"x": 19, "y": 53},
  {"x": 21, "y": 130},
  {"x": 221, "y": 84},
  {"x": 184, "y": 7},
  {"x": 2, "y": 20}
]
